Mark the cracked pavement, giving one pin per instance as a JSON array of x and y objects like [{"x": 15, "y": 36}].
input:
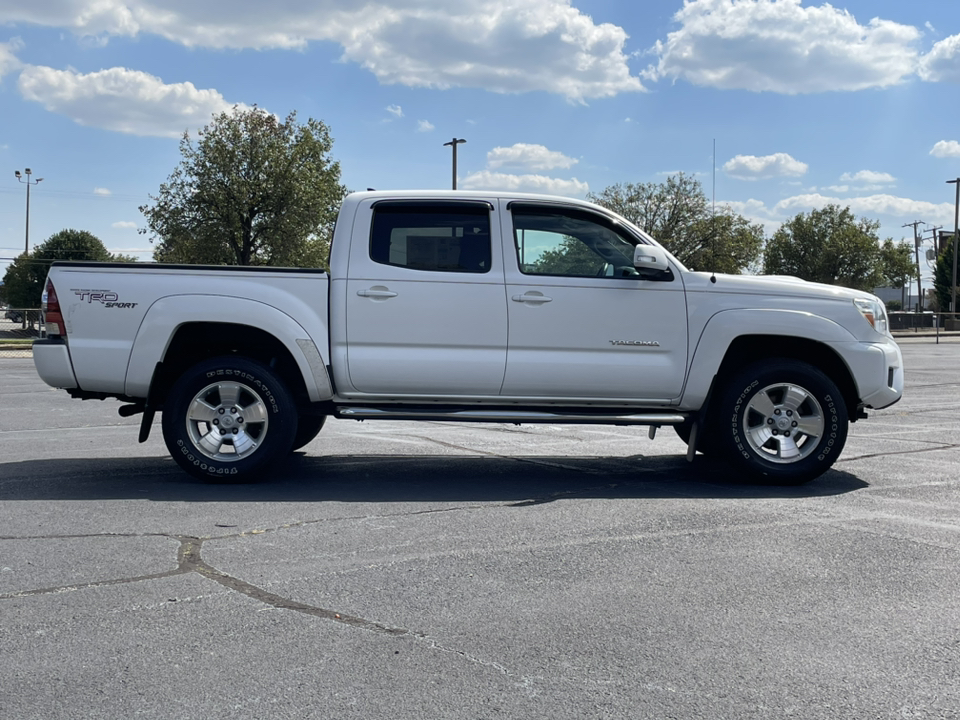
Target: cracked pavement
[{"x": 421, "y": 570}]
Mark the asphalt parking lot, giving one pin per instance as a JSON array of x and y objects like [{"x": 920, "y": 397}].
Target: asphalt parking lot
[{"x": 420, "y": 570}]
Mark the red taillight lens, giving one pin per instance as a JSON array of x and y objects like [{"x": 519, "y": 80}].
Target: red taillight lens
[{"x": 51, "y": 311}]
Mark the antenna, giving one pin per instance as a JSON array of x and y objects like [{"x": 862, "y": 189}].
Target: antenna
[{"x": 713, "y": 214}]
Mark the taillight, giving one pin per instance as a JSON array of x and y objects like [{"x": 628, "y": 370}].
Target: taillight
[{"x": 51, "y": 311}]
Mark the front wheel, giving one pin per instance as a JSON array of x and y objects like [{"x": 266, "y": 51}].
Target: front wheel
[
  {"x": 782, "y": 421},
  {"x": 228, "y": 419},
  {"x": 308, "y": 428}
]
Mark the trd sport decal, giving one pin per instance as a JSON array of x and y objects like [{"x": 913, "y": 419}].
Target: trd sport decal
[{"x": 107, "y": 298}]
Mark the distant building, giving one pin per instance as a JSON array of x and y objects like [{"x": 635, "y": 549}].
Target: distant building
[
  {"x": 907, "y": 299},
  {"x": 943, "y": 237}
]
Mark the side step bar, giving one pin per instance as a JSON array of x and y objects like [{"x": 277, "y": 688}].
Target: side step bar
[{"x": 509, "y": 416}]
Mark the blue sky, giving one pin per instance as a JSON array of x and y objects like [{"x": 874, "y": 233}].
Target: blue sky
[{"x": 808, "y": 103}]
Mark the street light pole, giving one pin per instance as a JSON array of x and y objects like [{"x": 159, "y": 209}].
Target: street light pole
[
  {"x": 956, "y": 216},
  {"x": 453, "y": 143},
  {"x": 28, "y": 182}
]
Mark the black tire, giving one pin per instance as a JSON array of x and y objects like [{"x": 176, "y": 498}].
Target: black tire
[
  {"x": 308, "y": 428},
  {"x": 781, "y": 422},
  {"x": 228, "y": 419}
]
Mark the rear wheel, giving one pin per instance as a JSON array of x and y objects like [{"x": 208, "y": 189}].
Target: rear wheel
[
  {"x": 228, "y": 419},
  {"x": 782, "y": 421}
]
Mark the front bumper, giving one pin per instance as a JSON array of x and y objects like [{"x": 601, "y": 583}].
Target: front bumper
[
  {"x": 51, "y": 357},
  {"x": 877, "y": 369}
]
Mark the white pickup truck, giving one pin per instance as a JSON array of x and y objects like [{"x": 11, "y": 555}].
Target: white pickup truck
[{"x": 472, "y": 307}]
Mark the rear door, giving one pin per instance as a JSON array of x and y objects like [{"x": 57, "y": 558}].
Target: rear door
[
  {"x": 425, "y": 305},
  {"x": 582, "y": 323}
]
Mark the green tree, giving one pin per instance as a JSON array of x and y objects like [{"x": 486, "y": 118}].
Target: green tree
[
  {"x": 678, "y": 215},
  {"x": 571, "y": 257},
  {"x": 251, "y": 190},
  {"x": 829, "y": 246},
  {"x": 897, "y": 263},
  {"x": 943, "y": 278},
  {"x": 25, "y": 277}
]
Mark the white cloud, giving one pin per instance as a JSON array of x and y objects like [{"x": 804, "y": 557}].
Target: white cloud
[
  {"x": 783, "y": 47},
  {"x": 942, "y": 63},
  {"x": 868, "y": 176},
  {"x": 528, "y": 161},
  {"x": 8, "y": 58},
  {"x": 751, "y": 167},
  {"x": 756, "y": 212},
  {"x": 424, "y": 126},
  {"x": 835, "y": 189},
  {"x": 487, "y": 180},
  {"x": 395, "y": 110},
  {"x": 946, "y": 148},
  {"x": 124, "y": 225},
  {"x": 122, "y": 100},
  {"x": 529, "y": 157},
  {"x": 872, "y": 205},
  {"x": 102, "y": 192},
  {"x": 528, "y": 45}
]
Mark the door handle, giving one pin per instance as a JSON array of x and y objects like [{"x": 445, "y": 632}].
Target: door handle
[
  {"x": 376, "y": 293},
  {"x": 530, "y": 298}
]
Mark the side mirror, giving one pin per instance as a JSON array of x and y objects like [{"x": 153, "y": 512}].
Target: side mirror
[{"x": 650, "y": 261}]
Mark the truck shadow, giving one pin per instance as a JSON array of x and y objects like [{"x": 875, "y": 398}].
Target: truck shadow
[{"x": 403, "y": 479}]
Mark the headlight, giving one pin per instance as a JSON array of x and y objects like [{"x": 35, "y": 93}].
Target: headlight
[{"x": 874, "y": 313}]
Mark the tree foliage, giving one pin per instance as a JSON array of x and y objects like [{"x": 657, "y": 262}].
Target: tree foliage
[
  {"x": 24, "y": 279},
  {"x": 943, "y": 278},
  {"x": 897, "y": 263},
  {"x": 571, "y": 258},
  {"x": 677, "y": 214},
  {"x": 829, "y": 246},
  {"x": 251, "y": 190}
]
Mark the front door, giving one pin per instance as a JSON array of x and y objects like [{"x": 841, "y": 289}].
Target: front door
[{"x": 582, "y": 323}]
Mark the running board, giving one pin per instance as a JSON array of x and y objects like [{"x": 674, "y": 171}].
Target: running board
[{"x": 509, "y": 416}]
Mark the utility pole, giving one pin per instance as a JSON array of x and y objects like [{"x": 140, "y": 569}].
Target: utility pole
[
  {"x": 956, "y": 231},
  {"x": 453, "y": 143},
  {"x": 916, "y": 249},
  {"x": 26, "y": 180}
]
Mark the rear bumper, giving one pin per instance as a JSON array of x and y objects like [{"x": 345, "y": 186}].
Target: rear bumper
[{"x": 52, "y": 360}]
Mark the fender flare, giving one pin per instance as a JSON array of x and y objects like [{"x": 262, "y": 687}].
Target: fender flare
[
  {"x": 165, "y": 317},
  {"x": 724, "y": 327}
]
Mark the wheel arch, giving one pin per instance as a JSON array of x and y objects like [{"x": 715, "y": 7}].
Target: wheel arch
[
  {"x": 791, "y": 334},
  {"x": 180, "y": 331},
  {"x": 195, "y": 342},
  {"x": 752, "y": 348}
]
